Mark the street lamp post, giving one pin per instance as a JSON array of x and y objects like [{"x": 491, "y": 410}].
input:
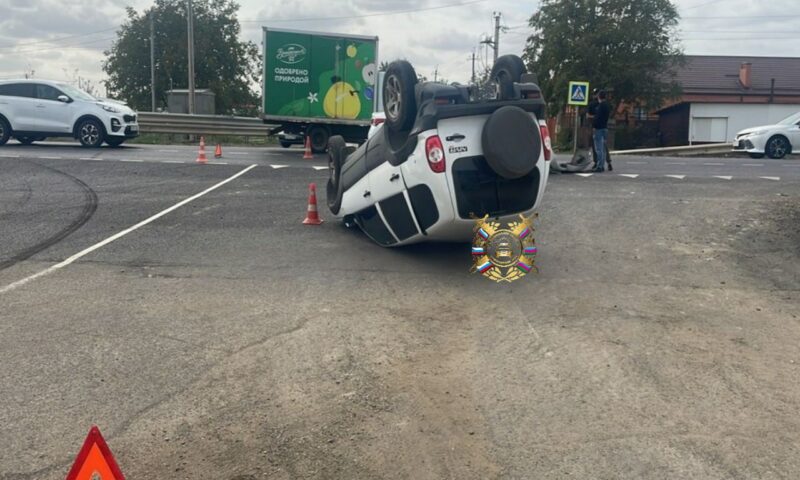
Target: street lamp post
[{"x": 190, "y": 29}]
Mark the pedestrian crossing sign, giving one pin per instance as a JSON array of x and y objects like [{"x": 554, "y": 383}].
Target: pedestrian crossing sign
[{"x": 578, "y": 93}]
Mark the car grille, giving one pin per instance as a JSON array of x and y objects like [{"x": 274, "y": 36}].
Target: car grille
[{"x": 129, "y": 118}]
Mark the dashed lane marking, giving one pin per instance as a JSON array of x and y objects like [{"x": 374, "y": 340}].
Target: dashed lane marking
[
  {"x": 714, "y": 164},
  {"x": 52, "y": 158},
  {"x": 279, "y": 166},
  {"x": 679, "y": 177},
  {"x": 675, "y": 163},
  {"x": 130, "y": 160},
  {"x": 629, "y": 175},
  {"x": 752, "y": 164},
  {"x": 320, "y": 168},
  {"x": 238, "y": 153},
  {"x": 9, "y": 156},
  {"x": 774, "y": 179},
  {"x": 119, "y": 235},
  {"x": 723, "y": 177},
  {"x": 217, "y": 163},
  {"x": 584, "y": 175},
  {"x": 636, "y": 163}
]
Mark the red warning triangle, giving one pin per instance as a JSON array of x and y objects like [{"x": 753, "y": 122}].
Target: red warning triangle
[{"x": 95, "y": 460}]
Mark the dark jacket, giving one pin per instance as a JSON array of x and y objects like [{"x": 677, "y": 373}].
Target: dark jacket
[{"x": 601, "y": 114}]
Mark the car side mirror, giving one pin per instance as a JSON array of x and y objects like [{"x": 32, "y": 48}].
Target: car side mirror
[{"x": 63, "y": 98}]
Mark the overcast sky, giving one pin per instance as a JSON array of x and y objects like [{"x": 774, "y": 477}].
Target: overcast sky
[{"x": 442, "y": 38}]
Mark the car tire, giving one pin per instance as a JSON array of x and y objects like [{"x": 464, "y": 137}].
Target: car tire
[
  {"x": 91, "y": 133},
  {"x": 5, "y": 132},
  {"x": 778, "y": 147},
  {"x": 507, "y": 70},
  {"x": 285, "y": 144},
  {"x": 511, "y": 142},
  {"x": 115, "y": 142},
  {"x": 756, "y": 156},
  {"x": 320, "y": 136},
  {"x": 25, "y": 140},
  {"x": 336, "y": 158},
  {"x": 399, "y": 102}
]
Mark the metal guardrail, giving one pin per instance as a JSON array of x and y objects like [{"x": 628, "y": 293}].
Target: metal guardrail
[
  {"x": 686, "y": 150},
  {"x": 180, "y": 123}
]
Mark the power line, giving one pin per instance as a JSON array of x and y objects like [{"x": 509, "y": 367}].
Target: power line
[
  {"x": 57, "y": 39},
  {"x": 703, "y": 4},
  {"x": 394, "y": 12}
]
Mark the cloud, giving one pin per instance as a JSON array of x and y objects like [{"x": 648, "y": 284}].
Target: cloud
[{"x": 431, "y": 39}]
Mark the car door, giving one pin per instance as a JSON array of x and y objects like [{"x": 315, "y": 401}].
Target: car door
[
  {"x": 794, "y": 137},
  {"x": 18, "y": 102},
  {"x": 55, "y": 116}
]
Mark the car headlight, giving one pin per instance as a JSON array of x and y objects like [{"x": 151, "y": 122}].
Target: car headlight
[{"x": 109, "y": 108}]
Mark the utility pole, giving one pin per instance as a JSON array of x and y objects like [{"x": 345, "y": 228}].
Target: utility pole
[
  {"x": 474, "y": 80},
  {"x": 496, "y": 44},
  {"x": 152, "y": 64},
  {"x": 436, "y": 74},
  {"x": 190, "y": 20}
]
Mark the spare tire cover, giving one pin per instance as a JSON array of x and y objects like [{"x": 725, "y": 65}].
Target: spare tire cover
[{"x": 511, "y": 142}]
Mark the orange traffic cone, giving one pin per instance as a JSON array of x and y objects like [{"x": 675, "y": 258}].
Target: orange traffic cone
[
  {"x": 308, "y": 155},
  {"x": 218, "y": 151},
  {"x": 312, "y": 216},
  {"x": 201, "y": 155}
]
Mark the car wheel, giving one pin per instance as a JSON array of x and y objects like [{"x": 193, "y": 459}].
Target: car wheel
[
  {"x": 778, "y": 147},
  {"x": 90, "y": 133},
  {"x": 336, "y": 157},
  {"x": 507, "y": 70},
  {"x": 115, "y": 142},
  {"x": 25, "y": 140},
  {"x": 5, "y": 132},
  {"x": 399, "y": 103},
  {"x": 285, "y": 144},
  {"x": 319, "y": 138},
  {"x": 756, "y": 156}
]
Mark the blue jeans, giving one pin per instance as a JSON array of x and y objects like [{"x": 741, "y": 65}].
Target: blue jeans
[{"x": 600, "y": 136}]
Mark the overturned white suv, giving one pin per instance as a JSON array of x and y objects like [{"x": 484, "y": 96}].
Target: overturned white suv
[
  {"x": 443, "y": 158},
  {"x": 33, "y": 110}
]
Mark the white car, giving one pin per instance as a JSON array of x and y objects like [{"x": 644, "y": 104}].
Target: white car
[
  {"x": 443, "y": 158},
  {"x": 774, "y": 141},
  {"x": 33, "y": 110}
]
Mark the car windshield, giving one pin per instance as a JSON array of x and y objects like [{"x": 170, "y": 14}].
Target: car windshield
[
  {"x": 791, "y": 120},
  {"x": 75, "y": 92}
]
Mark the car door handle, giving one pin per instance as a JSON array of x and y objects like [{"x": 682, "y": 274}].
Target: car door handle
[
  {"x": 367, "y": 194},
  {"x": 394, "y": 177}
]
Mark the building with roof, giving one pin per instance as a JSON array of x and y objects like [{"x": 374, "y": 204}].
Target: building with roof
[{"x": 722, "y": 95}]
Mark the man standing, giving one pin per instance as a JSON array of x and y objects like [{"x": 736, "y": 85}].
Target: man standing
[{"x": 600, "y": 124}]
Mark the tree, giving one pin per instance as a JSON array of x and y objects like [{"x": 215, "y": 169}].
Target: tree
[
  {"x": 227, "y": 66},
  {"x": 625, "y": 46}
]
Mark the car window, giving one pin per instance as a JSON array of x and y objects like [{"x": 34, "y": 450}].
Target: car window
[
  {"x": 76, "y": 92},
  {"x": 17, "y": 90},
  {"x": 46, "y": 92}
]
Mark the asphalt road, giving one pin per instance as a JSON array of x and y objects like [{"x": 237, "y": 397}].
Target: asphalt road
[{"x": 225, "y": 340}]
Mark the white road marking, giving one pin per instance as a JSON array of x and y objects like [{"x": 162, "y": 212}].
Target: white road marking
[
  {"x": 679, "y": 177},
  {"x": 169, "y": 151},
  {"x": 714, "y": 164},
  {"x": 217, "y": 163},
  {"x": 584, "y": 175},
  {"x": 752, "y": 164},
  {"x": 279, "y": 166},
  {"x": 52, "y": 158},
  {"x": 133, "y": 161},
  {"x": 793, "y": 166},
  {"x": 723, "y": 177},
  {"x": 173, "y": 161},
  {"x": 636, "y": 163},
  {"x": 320, "y": 168},
  {"x": 119, "y": 235},
  {"x": 9, "y": 156},
  {"x": 774, "y": 179},
  {"x": 86, "y": 158},
  {"x": 629, "y": 175},
  {"x": 238, "y": 153},
  {"x": 675, "y": 163}
]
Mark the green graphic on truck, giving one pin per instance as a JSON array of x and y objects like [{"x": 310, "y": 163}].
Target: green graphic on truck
[{"x": 318, "y": 75}]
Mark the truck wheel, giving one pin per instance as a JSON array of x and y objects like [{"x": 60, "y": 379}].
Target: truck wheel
[
  {"x": 336, "y": 157},
  {"x": 511, "y": 142},
  {"x": 399, "y": 103},
  {"x": 319, "y": 138},
  {"x": 5, "y": 132},
  {"x": 507, "y": 70}
]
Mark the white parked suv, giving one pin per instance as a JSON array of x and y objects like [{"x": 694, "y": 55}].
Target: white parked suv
[
  {"x": 32, "y": 110},
  {"x": 443, "y": 158}
]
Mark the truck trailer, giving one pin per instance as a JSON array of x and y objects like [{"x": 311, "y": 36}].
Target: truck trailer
[{"x": 319, "y": 84}]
